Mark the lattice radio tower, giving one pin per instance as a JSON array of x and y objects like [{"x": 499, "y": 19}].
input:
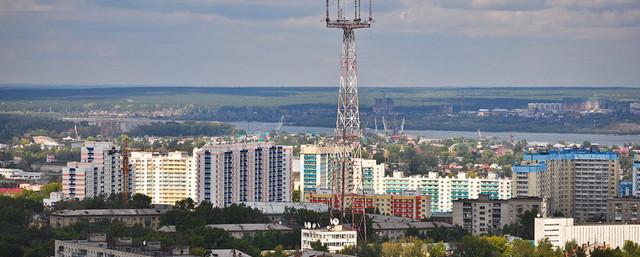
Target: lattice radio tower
[{"x": 348, "y": 131}]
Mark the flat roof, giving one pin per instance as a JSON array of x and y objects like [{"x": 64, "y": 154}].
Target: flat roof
[{"x": 109, "y": 212}]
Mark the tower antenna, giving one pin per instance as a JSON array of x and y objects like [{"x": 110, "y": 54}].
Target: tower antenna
[{"x": 348, "y": 131}]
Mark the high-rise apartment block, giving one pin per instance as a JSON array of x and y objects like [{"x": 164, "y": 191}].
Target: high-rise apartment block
[
  {"x": 636, "y": 175},
  {"x": 444, "y": 190},
  {"x": 99, "y": 172},
  {"x": 576, "y": 183},
  {"x": 244, "y": 172},
  {"x": 317, "y": 162},
  {"x": 165, "y": 177}
]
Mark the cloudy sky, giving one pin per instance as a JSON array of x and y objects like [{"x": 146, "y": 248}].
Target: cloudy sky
[{"x": 285, "y": 43}]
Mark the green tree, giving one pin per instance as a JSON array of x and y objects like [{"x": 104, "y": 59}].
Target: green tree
[
  {"x": 520, "y": 248},
  {"x": 277, "y": 252},
  {"x": 437, "y": 250},
  {"x": 140, "y": 201},
  {"x": 473, "y": 246},
  {"x": 631, "y": 249},
  {"x": 318, "y": 246},
  {"x": 185, "y": 204},
  {"x": 546, "y": 249}
]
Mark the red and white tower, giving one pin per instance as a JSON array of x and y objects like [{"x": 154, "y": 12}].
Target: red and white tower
[{"x": 348, "y": 130}]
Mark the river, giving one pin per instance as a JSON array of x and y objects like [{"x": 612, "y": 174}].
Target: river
[{"x": 602, "y": 139}]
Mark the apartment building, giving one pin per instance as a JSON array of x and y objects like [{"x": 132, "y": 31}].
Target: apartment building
[
  {"x": 165, "y": 177},
  {"x": 485, "y": 215},
  {"x": 525, "y": 177},
  {"x": 98, "y": 173},
  {"x": 444, "y": 190},
  {"x": 623, "y": 210},
  {"x": 315, "y": 162},
  {"x": 577, "y": 182},
  {"x": 412, "y": 206},
  {"x": 244, "y": 172},
  {"x": 636, "y": 175}
]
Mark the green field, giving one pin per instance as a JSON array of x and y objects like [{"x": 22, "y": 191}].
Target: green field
[{"x": 150, "y": 98}]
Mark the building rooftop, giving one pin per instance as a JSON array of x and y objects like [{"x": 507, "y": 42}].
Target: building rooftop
[
  {"x": 109, "y": 212},
  {"x": 273, "y": 208},
  {"x": 571, "y": 154},
  {"x": 129, "y": 248},
  {"x": 237, "y": 227},
  {"x": 314, "y": 253}
]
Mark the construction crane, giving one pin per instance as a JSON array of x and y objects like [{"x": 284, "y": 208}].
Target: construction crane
[{"x": 124, "y": 151}]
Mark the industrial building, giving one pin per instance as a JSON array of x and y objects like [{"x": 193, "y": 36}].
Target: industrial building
[{"x": 562, "y": 230}]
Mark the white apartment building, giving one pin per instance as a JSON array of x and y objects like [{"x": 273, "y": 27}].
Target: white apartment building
[
  {"x": 444, "y": 190},
  {"x": 165, "y": 177},
  {"x": 562, "y": 230},
  {"x": 244, "y": 172},
  {"x": 334, "y": 237}
]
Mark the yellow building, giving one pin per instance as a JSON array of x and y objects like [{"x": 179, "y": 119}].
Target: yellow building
[{"x": 166, "y": 178}]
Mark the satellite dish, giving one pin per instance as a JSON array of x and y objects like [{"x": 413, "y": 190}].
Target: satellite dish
[
  {"x": 335, "y": 221},
  {"x": 307, "y": 225},
  {"x": 314, "y": 226}
]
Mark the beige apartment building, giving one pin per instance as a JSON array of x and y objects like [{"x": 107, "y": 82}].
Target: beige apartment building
[{"x": 165, "y": 177}]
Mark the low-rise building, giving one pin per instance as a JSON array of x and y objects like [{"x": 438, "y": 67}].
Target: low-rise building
[
  {"x": 247, "y": 230},
  {"x": 395, "y": 228},
  {"x": 413, "y": 206},
  {"x": 277, "y": 210},
  {"x": 54, "y": 197},
  {"x": 148, "y": 218},
  {"x": 239, "y": 230},
  {"x": 18, "y": 174},
  {"x": 562, "y": 230},
  {"x": 623, "y": 210},
  {"x": 445, "y": 217},
  {"x": 97, "y": 246},
  {"x": 484, "y": 215},
  {"x": 334, "y": 237}
]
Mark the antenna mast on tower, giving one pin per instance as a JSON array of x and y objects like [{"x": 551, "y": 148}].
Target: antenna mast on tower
[{"x": 348, "y": 128}]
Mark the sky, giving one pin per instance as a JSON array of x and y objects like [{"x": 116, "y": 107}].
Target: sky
[{"x": 285, "y": 43}]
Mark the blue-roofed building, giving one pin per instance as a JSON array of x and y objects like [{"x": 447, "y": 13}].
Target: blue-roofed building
[
  {"x": 577, "y": 182},
  {"x": 625, "y": 188}
]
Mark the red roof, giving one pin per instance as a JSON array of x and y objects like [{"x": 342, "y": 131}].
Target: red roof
[{"x": 10, "y": 190}]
